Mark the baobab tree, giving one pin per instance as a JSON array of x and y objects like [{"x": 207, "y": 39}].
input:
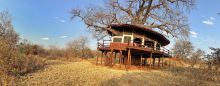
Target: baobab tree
[{"x": 168, "y": 16}]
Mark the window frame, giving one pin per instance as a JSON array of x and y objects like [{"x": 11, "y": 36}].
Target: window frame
[
  {"x": 131, "y": 41},
  {"x": 117, "y": 37}
]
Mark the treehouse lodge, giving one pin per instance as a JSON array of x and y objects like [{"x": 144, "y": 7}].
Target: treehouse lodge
[{"x": 132, "y": 45}]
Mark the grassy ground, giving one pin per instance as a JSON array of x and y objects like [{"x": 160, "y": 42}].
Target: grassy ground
[{"x": 60, "y": 73}]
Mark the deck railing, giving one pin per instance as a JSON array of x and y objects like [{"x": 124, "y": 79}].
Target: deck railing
[{"x": 106, "y": 44}]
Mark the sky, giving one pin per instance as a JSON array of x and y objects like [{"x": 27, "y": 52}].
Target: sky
[{"x": 47, "y": 22}]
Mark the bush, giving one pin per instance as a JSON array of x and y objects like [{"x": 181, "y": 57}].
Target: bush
[{"x": 15, "y": 62}]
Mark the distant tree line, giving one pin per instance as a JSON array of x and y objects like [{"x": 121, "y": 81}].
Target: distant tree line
[
  {"x": 184, "y": 50},
  {"x": 213, "y": 59},
  {"x": 18, "y": 57},
  {"x": 75, "y": 49}
]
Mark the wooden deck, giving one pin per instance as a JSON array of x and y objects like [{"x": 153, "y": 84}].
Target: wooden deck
[
  {"x": 131, "y": 54},
  {"x": 135, "y": 49}
]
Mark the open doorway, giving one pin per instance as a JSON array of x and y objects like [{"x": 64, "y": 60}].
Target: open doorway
[
  {"x": 149, "y": 44},
  {"x": 137, "y": 41}
]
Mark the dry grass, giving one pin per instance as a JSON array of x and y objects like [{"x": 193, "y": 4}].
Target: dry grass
[
  {"x": 61, "y": 73},
  {"x": 70, "y": 73}
]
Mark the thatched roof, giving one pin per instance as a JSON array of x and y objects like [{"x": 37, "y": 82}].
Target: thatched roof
[{"x": 116, "y": 29}]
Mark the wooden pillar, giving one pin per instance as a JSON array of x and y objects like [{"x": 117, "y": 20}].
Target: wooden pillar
[
  {"x": 115, "y": 58},
  {"x": 145, "y": 61},
  {"x": 101, "y": 57},
  {"x": 129, "y": 56},
  {"x": 159, "y": 62},
  {"x": 130, "y": 59},
  {"x": 143, "y": 39},
  {"x": 97, "y": 59},
  {"x": 120, "y": 58},
  {"x": 111, "y": 58},
  {"x": 154, "y": 61},
  {"x": 141, "y": 60},
  {"x": 106, "y": 57},
  {"x": 162, "y": 61},
  {"x": 155, "y": 45},
  {"x": 151, "y": 60}
]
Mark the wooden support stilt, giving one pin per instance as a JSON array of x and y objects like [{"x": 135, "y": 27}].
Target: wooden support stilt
[
  {"x": 101, "y": 57},
  {"x": 111, "y": 58},
  {"x": 120, "y": 58},
  {"x": 151, "y": 60},
  {"x": 145, "y": 61},
  {"x": 106, "y": 58},
  {"x": 129, "y": 55},
  {"x": 115, "y": 58},
  {"x": 159, "y": 62},
  {"x": 130, "y": 59},
  {"x": 97, "y": 59},
  {"x": 162, "y": 61},
  {"x": 141, "y": 60}
]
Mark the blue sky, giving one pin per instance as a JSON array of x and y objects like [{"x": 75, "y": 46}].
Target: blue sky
[{"x": 47, "y": 22}]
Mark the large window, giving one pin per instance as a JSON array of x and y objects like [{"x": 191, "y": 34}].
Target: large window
[
  {"x": 158, "y": 46},
  {"x": 117, "y": 39},
  {"x": 127, "y": 39}
]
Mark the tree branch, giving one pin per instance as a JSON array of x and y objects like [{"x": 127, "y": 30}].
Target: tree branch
[{"x": 148, "y": 11}]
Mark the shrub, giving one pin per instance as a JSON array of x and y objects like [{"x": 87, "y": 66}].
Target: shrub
[
  {"x": 15, "y": 62},
  {"x": 13, "y": 59}
]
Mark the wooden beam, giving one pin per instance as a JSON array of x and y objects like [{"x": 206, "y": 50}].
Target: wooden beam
[{"x": 115, "y": 32}]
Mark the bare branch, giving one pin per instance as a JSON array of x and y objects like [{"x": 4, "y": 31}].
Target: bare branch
[{"x": 166, "y": 15}]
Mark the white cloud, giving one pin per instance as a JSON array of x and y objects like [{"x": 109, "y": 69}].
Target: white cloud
[
  {"x": 44, "y": 38},
  {"x": 63, "y": 36},
  {"x": 56, "y": 17},
  {"x": 62, "y": 21},
  {"x": 59, "y": 19},
  {"x": 208, "y": 22},
  {"x": 211, "y": 18},
  {"x": 193, "y": 34}
]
